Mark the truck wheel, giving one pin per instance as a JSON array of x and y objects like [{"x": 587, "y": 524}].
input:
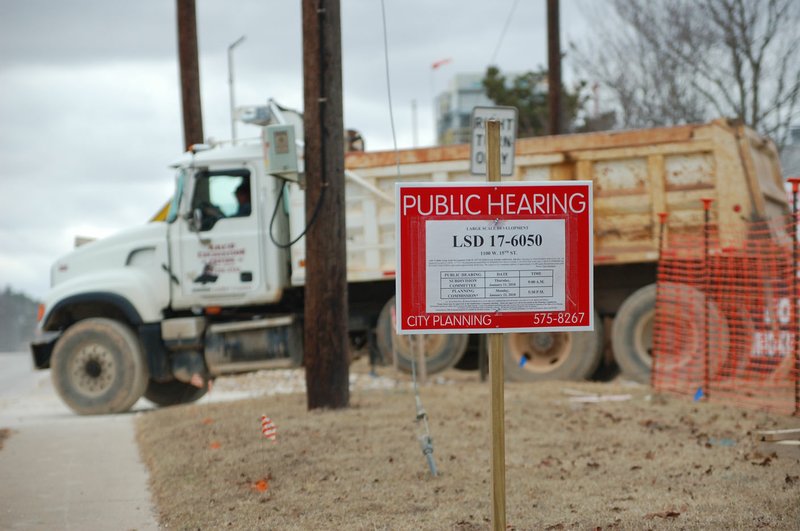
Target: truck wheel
[
  {"x": 173, "y": 393},
  {"x": 632, "y": 335},
  {"x": 98, "y": 367},
  {"x": 442, "y": 351},
  {"x": 531, "y": 357}
]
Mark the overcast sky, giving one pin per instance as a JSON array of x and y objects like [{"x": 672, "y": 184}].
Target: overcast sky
[{"x": 90, "y": 113}]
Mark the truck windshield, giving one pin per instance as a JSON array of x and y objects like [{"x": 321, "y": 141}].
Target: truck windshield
[{"x": 172, "y": 215}]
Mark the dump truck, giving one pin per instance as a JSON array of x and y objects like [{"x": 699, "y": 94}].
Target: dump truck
[
  {"x": 638, "y": 176},
  {"x": 162, "y": 309}
]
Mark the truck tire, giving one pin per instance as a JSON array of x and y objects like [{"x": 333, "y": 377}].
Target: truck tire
[
  {"x": 538, "y": 356},
  {"x": 173, "y": 393},
  {"x": 632, "y": 335},
  {"x": 442, "y": 351},
  {"x": 98, "y": 367}
]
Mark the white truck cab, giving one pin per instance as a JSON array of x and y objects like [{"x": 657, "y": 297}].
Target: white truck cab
[{"x": 161, "y": 309}]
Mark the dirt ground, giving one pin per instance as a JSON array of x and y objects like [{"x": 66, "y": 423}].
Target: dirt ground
[{"x": 643, "y": 462}]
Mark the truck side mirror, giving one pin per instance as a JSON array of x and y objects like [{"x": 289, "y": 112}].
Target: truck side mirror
[
  {"x": 196, "y": 221},
  {"x": 204, "y": 216}
]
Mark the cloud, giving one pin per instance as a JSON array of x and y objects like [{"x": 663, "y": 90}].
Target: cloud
[
  {"x": 91, "y": 108},
  {"x": 43, "y": 32}
]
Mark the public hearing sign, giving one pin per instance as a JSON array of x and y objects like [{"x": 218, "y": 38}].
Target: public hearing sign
[{"x": 494, "y": 257}]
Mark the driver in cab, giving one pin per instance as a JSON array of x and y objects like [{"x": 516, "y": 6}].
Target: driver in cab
[{"x": 243, "y": 198}]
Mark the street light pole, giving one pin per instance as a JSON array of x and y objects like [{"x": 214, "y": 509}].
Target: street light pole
[
  {"x": 434, "y": 67},
  {"x": 230, "y": 84}
]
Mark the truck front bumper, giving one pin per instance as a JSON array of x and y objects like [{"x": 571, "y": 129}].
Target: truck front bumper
[{"x": 42, "y": 348}]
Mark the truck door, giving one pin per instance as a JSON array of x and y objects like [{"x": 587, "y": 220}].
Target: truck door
[{"x": 217, "y": 253}]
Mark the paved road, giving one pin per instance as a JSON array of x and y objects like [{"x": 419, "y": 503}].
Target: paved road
[{"x": 59, "y": 470}]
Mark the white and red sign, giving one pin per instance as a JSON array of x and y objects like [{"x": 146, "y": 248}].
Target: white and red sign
[{"x": 494, "y": 257}]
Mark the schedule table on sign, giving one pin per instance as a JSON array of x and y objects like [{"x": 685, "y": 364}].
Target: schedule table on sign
[{"x": 490, "y": 284}]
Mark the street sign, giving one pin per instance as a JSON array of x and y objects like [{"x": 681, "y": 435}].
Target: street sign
[
  {"x": 494, "y": 257},
  {"x": 507, "y": 116}
]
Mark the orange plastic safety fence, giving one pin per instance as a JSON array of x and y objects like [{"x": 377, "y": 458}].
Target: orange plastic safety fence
[{"x": 726, "y": 324}]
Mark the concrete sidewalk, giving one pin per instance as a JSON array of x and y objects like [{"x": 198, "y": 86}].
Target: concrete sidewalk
[{"x": 59, "y": 470}]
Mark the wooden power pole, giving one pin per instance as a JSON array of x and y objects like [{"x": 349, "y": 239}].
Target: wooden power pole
[
  {"x": 325, "y": 338},
  {"x": 553, "y": 68},
  {"x": 190, "y": 73}
]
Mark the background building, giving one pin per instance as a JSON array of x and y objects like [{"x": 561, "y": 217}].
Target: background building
[{"x": 454, "y": 108}]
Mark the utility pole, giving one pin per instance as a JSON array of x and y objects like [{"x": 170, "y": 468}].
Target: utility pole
[
  {"x": 190, "y": 73},
  {"x": 325, "y": 337},
  {"x": 553, "y": 68}
]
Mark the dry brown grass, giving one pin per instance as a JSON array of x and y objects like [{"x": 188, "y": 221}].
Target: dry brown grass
[{"x": 645, "y": 463}]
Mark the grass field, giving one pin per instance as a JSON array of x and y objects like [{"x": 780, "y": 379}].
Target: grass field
[{"x": 648, "y": 462}]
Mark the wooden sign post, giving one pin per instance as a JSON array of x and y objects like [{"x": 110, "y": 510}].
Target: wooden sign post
[
  {"x": 494, "y": 258},
  {"x": 496, "y": 372}
]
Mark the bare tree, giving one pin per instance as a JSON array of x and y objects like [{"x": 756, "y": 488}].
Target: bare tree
[{"x": 677, "y": 61}]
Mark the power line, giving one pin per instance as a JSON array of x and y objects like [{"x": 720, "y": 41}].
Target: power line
[
  {"x": 389, "y": 85},
  {"x": 503, "y": 34}
]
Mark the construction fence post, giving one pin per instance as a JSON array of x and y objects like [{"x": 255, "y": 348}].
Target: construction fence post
[
  {"x": 706, "y": 294},
  {"x": 662, "y": 226},
  {"x": 796, "y": 296}
]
